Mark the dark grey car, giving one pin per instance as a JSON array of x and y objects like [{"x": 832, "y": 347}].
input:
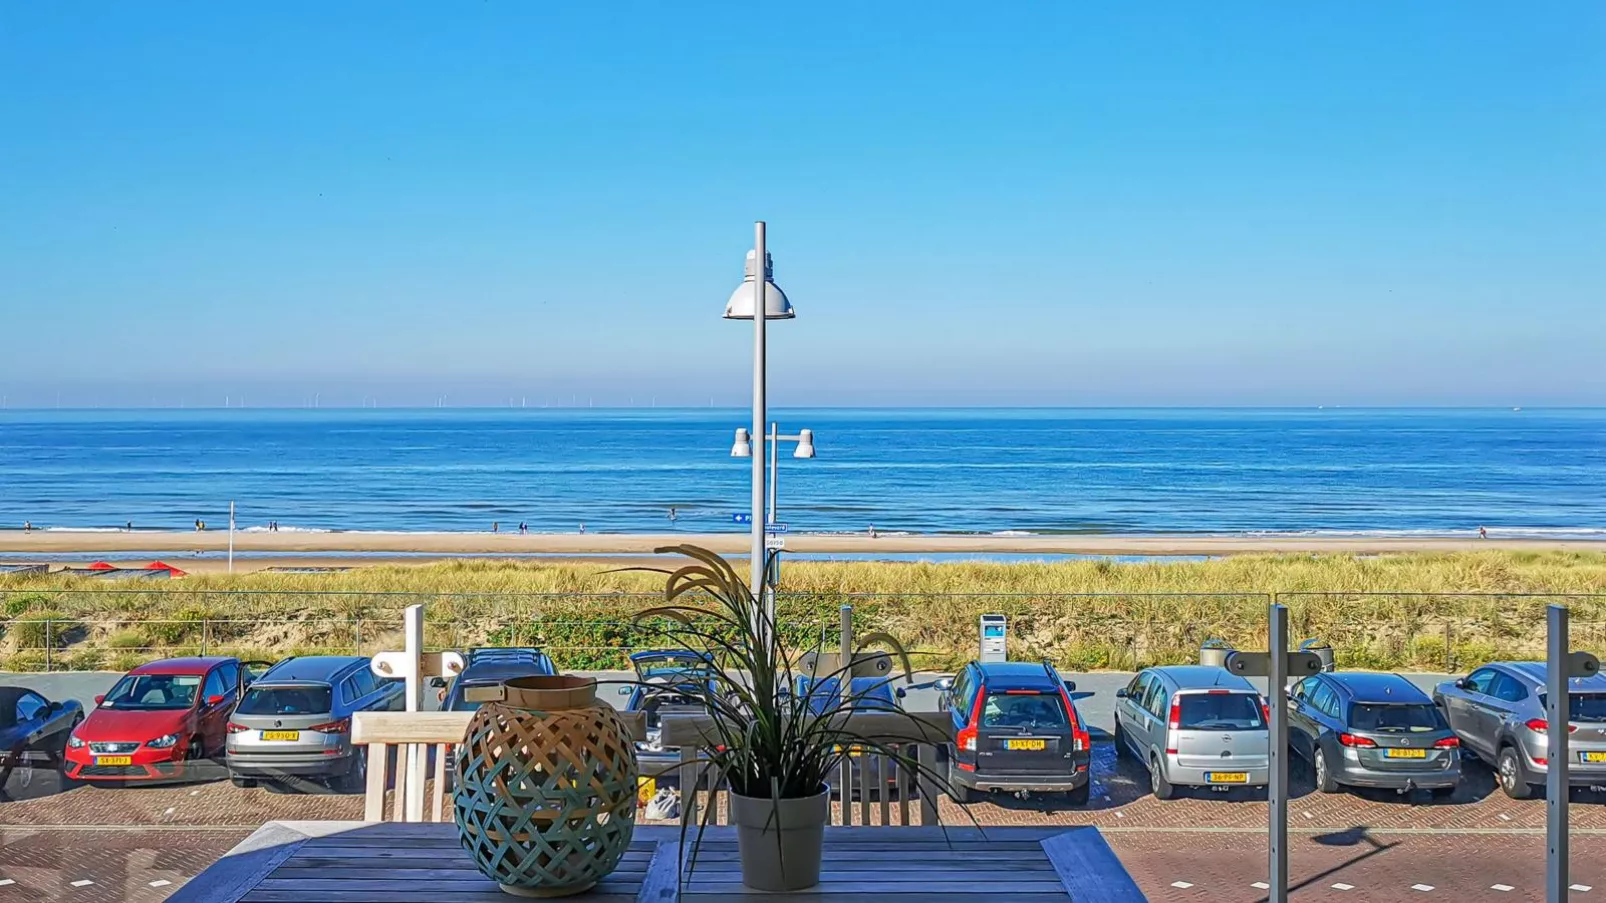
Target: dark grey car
[
  {"x": 1372, "y": 730},
  {"x": 1498, "y": 711}
]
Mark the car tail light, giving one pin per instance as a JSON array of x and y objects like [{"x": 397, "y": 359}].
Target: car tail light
[
  {"x": 332, "y": 727},
  {"x": 237, "y": 728},
  {"x": 1357, "y": 742},
  {"x": 1265, "y": 711},
  {"x": 1175, "y": 721},
  {"x": 1447, "y": 743},
  {"x": 965, "y": 739},
  {"x": 1080, "y": 739},
  {"x": 1541, "y": 726}
]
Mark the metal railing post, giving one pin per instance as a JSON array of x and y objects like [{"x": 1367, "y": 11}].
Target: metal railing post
[
  {"x": 206, "y": 634},
  {"x": 1557, "y": 713},
  {"x": 50, "y": 643},
  {"x": 357, "y": 639},
  {"x": 1277, "y": 786}
]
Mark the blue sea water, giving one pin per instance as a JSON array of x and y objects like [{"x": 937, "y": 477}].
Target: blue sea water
[{"x": 1042, "y": 471}]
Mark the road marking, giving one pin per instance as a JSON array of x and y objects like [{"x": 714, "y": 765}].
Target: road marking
[
  {"x": 1310, "y": 816},
  {"x": 82, "y": 882},
  {"x": 1582, "y": 888},
  {"x": 1261, "y": 885},
  {"x": 6, "y": 882},
  {"x": 1120, "y": 815},
  {"x": 1422, "y": 887},
  {"x": 1501, "y": 887},
  {"x": 1505, "y": 817},
  {"x": 159, "y": 883},
  {"x": 1182, "y": 884},
  {"x": 1342, "y": 886}
]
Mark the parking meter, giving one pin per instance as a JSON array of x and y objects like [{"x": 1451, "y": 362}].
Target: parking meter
[{"x": 994, "y": 632}]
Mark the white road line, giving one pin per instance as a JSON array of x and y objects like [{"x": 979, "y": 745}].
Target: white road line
[
  {"x": 1261, "y": 885},
  {"x": 159, "y": 883},
  {"x": 1501, "y": 887},
  {"x": 1422, "y": 887},
  {"x": 1342, "y": 886},
  {"x": 6, "y": 882},
  {"x": 1182, "y": 884},
  {"x": 1582, "y": 888},
  {"x": 82, "y": 882}
]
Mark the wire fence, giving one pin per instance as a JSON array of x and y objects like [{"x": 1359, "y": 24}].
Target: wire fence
[{"x": 77, "y": 630}]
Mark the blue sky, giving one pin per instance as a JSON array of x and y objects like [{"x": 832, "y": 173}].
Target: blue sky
[{"x": 1022, "y": 203}]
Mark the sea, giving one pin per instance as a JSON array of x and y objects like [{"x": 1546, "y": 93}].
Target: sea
[{"x": 1238, "y": 472}]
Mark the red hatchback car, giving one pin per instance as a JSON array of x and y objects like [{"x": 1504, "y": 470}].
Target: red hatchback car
[{"x": 157, "y": 718}]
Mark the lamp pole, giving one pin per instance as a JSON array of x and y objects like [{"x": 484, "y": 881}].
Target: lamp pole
[{"x": 760, "y": 314}]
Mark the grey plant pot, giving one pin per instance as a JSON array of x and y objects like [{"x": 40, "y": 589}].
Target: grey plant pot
[{"x": 780, "y": 841}]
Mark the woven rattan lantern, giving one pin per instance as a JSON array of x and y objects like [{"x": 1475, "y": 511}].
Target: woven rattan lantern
[{"x": 546, "y": 793}]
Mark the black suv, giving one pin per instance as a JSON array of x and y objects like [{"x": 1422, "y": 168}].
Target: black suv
[{"x": 1016, "y": 731}]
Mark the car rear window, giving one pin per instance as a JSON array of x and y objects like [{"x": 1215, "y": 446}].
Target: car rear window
[
  {"x": 1220, "y": 712},
  {"x": 1401, "y": 718},
  {"x": 1582, "y": 706},
  {"x": 309, "y": 700},
  {"x": 1023, "y": 710}
]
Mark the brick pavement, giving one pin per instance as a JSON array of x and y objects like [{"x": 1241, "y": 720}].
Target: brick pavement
[{"x": 1207, "y": 841}]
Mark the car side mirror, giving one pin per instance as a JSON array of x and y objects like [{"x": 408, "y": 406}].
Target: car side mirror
[
  {"x": 624, "y": 691},
  {"x": 437, "y": 682},
  {"x": 944, "y": 684},
  {"x": 53, "y": 707},
  {"x": 100, "y": 699},
  {"x": 901, "y": 692},
  {"x": 1122, "y": 694},
  {"x": 1463, "y": 684},
  {"x": 1070, "y": 686},
  {"x": 215, "y": 700}
]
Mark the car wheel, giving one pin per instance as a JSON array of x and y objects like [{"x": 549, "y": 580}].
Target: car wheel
[
  {"x": 1120, "y": 740},
  {"x": 1080, "y": 795},
  {"x": 961, "y": 793},
  {"x": 1508, "y": 771},
  {"x": 238, "y": 781},
  {"x": 1158, "y": 785},
  {"x": 1324, "y": 775},
  {"x": 355, "y": 780}
]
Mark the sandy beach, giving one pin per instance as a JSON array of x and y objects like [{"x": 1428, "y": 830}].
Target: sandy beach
[{"x": 332, "y": 547}]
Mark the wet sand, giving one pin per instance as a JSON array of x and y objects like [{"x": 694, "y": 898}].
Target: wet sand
[{"x": 329, "y": 547}]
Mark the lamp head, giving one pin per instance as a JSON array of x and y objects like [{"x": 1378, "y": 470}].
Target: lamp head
[
  {"x": 805, "y": 444},
  {"x": 743, "y": 447},
  {"x": 776, "y": 305}
]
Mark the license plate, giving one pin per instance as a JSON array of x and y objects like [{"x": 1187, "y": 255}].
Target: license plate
[
  {"x": 114, "y": 760},
  {"x": 281, "y": 735},
  {"x": 1405, "y": 754},
  {"x": 1026, "y": 744},
  {"x": 1592, "y": 757},
  {"x": 1226, "y": 777}
]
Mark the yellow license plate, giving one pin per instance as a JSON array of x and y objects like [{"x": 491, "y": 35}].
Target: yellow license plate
[
  {"x": 281, "y": 735},
  {"x": 1406, "y": 754},
  {"x": 1593, "y": 756},
  {"x": 1226, "y": 777},
  {"x": 114, "y": 760},
  {"x": 1025, "y": 744}
]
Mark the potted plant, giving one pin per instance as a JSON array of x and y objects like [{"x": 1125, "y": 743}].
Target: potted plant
[{"x": 775, "y": 748}]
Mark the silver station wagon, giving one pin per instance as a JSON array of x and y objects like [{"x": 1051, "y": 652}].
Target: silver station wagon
[
  {"x": 1498, "y": 711},
  {"x": 1194, "y": 725},
  {"x": 295, "y": 721}
]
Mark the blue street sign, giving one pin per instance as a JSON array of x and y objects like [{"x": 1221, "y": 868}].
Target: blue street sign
[{"x": 741, "y": 518}]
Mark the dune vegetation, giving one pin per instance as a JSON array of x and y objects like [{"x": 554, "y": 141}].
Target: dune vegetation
[{"x": 1418, "y": 611}]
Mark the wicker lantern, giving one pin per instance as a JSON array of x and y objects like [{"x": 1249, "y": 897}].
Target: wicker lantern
[{"x": 546, "y": 793}]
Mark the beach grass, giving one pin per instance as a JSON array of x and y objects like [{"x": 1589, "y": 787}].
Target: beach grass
[{"x": 1433, "y": 611}]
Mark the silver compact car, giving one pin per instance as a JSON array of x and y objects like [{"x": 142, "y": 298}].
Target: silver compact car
[
  {"x": 296, "y": 720},
  {"x": 1194, "y": 725},
  {"x": 1498, "y": 711},
  {"x": 1360, "y": 729}
]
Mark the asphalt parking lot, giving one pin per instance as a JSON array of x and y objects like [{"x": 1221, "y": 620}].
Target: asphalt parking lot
[{"x": 138, "y": 843}]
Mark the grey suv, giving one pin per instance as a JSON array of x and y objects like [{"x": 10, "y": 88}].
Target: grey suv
[
  {"x": 296, "y": 720},
  {"x": 1498, "y": 711},
  {"x": 1194, "y": 725},
  {"x": 1372, "y": 730}
]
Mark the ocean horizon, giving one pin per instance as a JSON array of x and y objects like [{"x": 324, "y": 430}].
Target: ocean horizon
[{"x": 1325, "y": 472}]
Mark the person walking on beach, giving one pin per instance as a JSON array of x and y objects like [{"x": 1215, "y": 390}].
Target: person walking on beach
[
  {"x": 130, "y": 526},
  {"x": 872, "y": 531},
  {"x": 523, "y": 528},
  {"x": 672, "y": 514},
  {"x": 496, "y": 526},
  {"x": 199, "y": 526},
  {"x": 1483, "y": 532},
  {"x": 582, "y": 529},
  {"x": 27, "y": 526}
]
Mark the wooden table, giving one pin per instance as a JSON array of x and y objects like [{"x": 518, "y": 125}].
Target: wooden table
[{"x": 390, "y": 862}]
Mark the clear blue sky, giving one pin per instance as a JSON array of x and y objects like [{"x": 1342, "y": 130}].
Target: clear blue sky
[{"x": 1027, "y": 203}]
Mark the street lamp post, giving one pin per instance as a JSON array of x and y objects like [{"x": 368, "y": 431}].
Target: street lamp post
[
  {"x": 758, "y": 289},
  {"x": 743, "y": 448}
]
